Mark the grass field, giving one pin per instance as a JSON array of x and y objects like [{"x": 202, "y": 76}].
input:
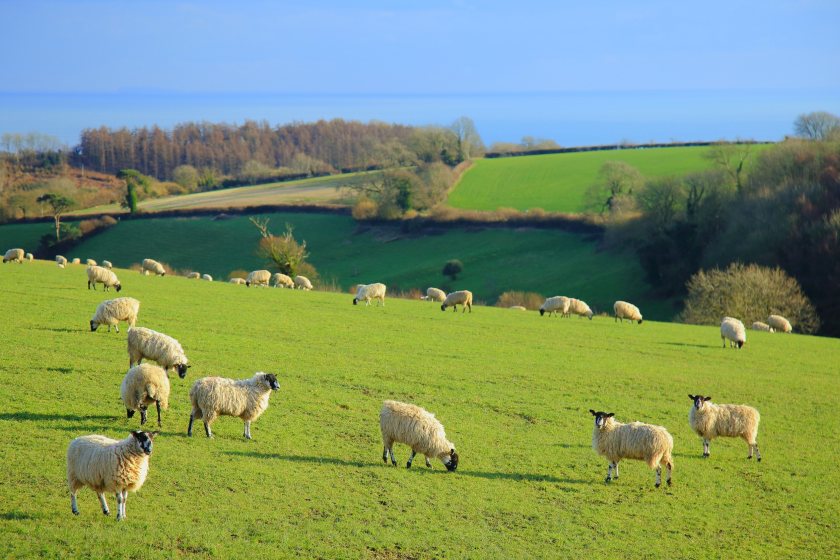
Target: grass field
[
  {"x": 512, "y": 389},
  {"x": 558, "y": 182}
]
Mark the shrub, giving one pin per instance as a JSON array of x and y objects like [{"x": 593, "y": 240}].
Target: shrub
[
  {"x": 528, "y": 300},
  {"x": 238, "y": 273},
  {"x": 365, "y": 209},
  {"x": 453, "y": 268}
]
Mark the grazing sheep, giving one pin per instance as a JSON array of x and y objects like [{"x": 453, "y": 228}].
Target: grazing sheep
[
  {"x": 108, "y": 465},
  {"x": 518, "y": 307},
  {"x": 101, "y": 275},
  {"x": 368, "y": 292},
  {"x": 152, "y": 345},
  {"x": 76, "y": 260},
  {"x": 60, "y": 261},
  {"x": 779, "y": 323},
  {"x": 29, "y": 256},
  {"x": 258, "y": 278},
  {"x": 624, "y": 310},
  {"x": 434, "y": 294},
  {"x": 14, "y": 255},
  {"x": 302, "y": 283},
  {"x": 107, "y": 264},
  {"x": 733, "y": 330},
  {"x": 151, "y": 265},
  {"x": 237, "y": 281},
  {"x": 143, "y": 385},
  {"x": 555, "y": 304},
  {"x": 194, "y": 275},
  {"x": 283, "y": 280},
  {"x": 711, "y": 420},
  {"x": 207, "y": 277},
  {"x": 759, "y": 326},
  {"x": 112, "y": 311},
  {"x": 579, "y": 307},
  {"x": 463, "y": 297},
  {"x": 645, "y": 442},
  {"x": 91, "y": 262},
  {"x": 217, "y": 396},
  {"x": 417, "y": 428}
]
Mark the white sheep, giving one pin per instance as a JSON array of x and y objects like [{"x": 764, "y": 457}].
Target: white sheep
[
  {"x": 207, "y": 277},
  {"x": 367, "y": 292},
  {"x": 91, "y": 262},
  {"x": 645, "y": 442},
  {"x": 218, "y": 396},
  {"x": 462, "y": 297},
  {"x": 108, "y": 465},
  {"x": 29, "y": 256},
  {"x": 107, "y": 264},
  {"x": 434, "y": 294},
  {"x": 518, "y": 307},
  {"x": 14, "y": 255},
  {"x": 624, "y": 310},
  {"x": 554, "y": 305},
  {"x": 76, "y": 260},
  {"x": 152, "y": 345},
  {"x": 101, "y": 275},
  {"x": 779, "y": 323},
  {"x": 143, "y": 385},
  {"x": 258, "y": 278},
  {"x": 711, "y": 420},
  {"x": 194, "y": 275},
  {"x": 580, "y": 307},
  {"x": 302, "y": 283},
  {"x": 60, "y": 261},
  {"x": 417, "y": 428},
  {"x": 112, "y": 311},
  {"x": 733, "y": 330},
  {"x": 151, "y": 265},
  {"x": 759, "y": 326},
  {"x": 280, "y": 279},
  {"x": 237, "y": 281}
]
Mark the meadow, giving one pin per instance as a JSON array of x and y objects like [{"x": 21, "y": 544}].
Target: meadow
[{"x": 512, "y": 388}]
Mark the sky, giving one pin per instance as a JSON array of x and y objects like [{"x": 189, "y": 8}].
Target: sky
[{"x": 551, "y": 69}]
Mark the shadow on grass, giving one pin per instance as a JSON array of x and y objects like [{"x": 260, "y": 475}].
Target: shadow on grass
[
  {"x": 302, "y": 459},
  {"x": 531, "y": 477},
  {"x": 58, "y": 329},
  {"x": 16, "y": 516},
  {"x": 687, "y": 345},
  {"x": 64, "y": 370},
  {"x": 36, "y": 417}
]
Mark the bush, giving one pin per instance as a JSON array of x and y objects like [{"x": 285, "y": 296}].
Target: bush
[
  {"x": 238, "y": 273},
  {"x": 453, "y": 268},
  {"x": 365, "y": 209},
  {"x": 528, "y": 300}
]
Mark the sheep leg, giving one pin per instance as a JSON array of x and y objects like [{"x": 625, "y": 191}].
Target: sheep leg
[
  {"x": 428, "y": 463},
  {"x": 668, "y": 468},
  {"x": 410, "y": 459},
  {"x": 124, "y": 501},
  {"x": 142, "y": 415},
  {"x": 120, "y": 506},
  {"x": 189, "y": 428},
  {"x": 615, "y": 476},
  {"x": 157, "y": 405},
  {"x": 658, "y": 476},
  {"x": 609, "y": 472},
  {"x": 706, "y": 451},
  {"x": 247, "y": 433},
  {"x": 385, "y": 454},
  {"x": 74, "y": 507},
  {"x": 207, "y": 429},
  {"x": 757, "y": 453},
  {"x": 393, "y": 459},
  {"x": 104, "y": 503}
]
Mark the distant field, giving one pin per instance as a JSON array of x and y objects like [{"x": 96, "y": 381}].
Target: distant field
[{"x": 558, "y": 182}]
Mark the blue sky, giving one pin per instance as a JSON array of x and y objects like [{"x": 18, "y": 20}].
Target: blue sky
[{"x": 410, "y": 48}]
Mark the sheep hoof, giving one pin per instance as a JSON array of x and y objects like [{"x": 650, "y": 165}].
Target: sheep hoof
[
  {"x": 408, "y": 465},
  {"x": 658, "y": 484},
  {"x": 759, "y": 459},
  {"x": 394, "y": 463},
  {"x": 106, "y": 512},
  {"x": 705, "y": 455},
  {"x": 669, "y": 483},
  {"x": 607, "y": 480},
  {"x": 75, "y": 512}
]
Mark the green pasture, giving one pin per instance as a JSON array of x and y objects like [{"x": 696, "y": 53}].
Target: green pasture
[{"x": 512, "y": 389}]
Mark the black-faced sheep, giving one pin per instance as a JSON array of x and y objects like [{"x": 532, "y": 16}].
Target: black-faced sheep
[
  {"x": 247, "y": 399},
  {"x": 111, "y": 311},
  {"x": 462, "y": 297},
  {"x": 417, "y": 428},
  {"x": 14, "y": 255},
  {"x": 101, "y": 275},
  {"x": 367, "y": 292},
  {"x": 624, "y": 310},
  {"x": 711, "y": 420},
  {"x": 258, "y": 278},
  {"x": 143, "y": 385},
  {"x": 732, "y": 329},
  {"x": 644, "y": 442},
  {"x": 152, "y": 345}
]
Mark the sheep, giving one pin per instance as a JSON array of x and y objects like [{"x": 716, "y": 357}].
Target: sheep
[
  {"x": 733, "y": 330},
  {"x": 194, "y": 275},
  {"x": 91, "y": 262},
  {"x": 419, "y": 429},
  {"x": 283, "y": 280},
  {"x": 368, "y": 292},
  {"x": 463, "y": 297},
  {"x": 207, "y": 277},
  {"x": 76, "y": 260},
  {"x": 14, "y": 255},
  {"x": 779, "y": 323},
  {"x": 143, "y": 385},
  {"x": 518, "y": 307},
  {"x": 555, "y": 304},
  {"x": 258, "y": 278},
  {"x": 217, "y": 396},
  {"x": 710, "y": 420},
  {"x": 29, "y": 256},
  {"x": 302, "y": 283},
  {"x": 108, "y": 465},
  {"x": 107, "y": 264},
  {"x": 759, "y": 326},
  {"x": 434, "y": 294},
  {"x": 151, "y": 265},
  {"x": 152, "y": 345},
  {"x": 112, "y": 311},
  {"x": 98, "y": 274},
  {"x": 616, "y": 441},
  {"x": 624, "y": 310},
  {"x": 60, "y": 261},
  {"x": 579, "y": 307},
  {"x": 237, "y": 281}
]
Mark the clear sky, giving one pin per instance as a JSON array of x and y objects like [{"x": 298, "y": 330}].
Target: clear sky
[{"x": 124, "y": 50}]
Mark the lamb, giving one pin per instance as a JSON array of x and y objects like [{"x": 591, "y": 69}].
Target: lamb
[
  {"x": 143, "y": 385},
  {"x": 779, "y": 323},
  {"x": 101, "y": 275},
  {"x": 434, "y": 294},
  {"x": 237, "y": 281},
  {"x": 29, "y": 256},
  {"x": 419, "y": 429},
  {"x": 151, "y": 265},
  {"x": 108, "y": 465},
  {"x": 194, "y": 275},
  {"x": 463, "y": 297},
  {"x": 207, "y": 277},
  {"x": 624, "y": 310},
  {"x": 302, "y": 283},
  {"x": 616, "y": 441},
  {"x": 14, "y": 255},
  {"x": 76, "y": 260},
  {"x": 258, "y": 278},
  {"x": 152, "y": 345},
  {"x": 107, "y": 264},
  {"x": 368, "y": 292},
  {"x": 579, "y": 307},
  {"x": 733, "y": 330},
  {"x": 112, "y": 311},
  {"x": 60, "y": 261},
  {"x": 217, "y": 396},
  {"x": 710, "y": 420},
  {"x": 281, "y": 279},
  {"x": 90, "y": 262},
  {"x": 555, "y": 304},
  {"x": 759, "y": 326}
]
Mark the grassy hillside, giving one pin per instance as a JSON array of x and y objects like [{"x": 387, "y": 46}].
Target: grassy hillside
[{"x": 512, "y": 389}]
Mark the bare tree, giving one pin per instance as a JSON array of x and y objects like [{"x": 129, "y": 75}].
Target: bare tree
[
  {"x": 731, "y": 158},
  {"x": 469, "y": 142},
  {"x": 817, "y": 125}
]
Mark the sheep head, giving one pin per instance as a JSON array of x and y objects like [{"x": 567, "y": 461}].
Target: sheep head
[
  {"x": 144, "y": 440},
  {"x": 452, "y": 460},
  {"x": 601, "y": 418},
  {"x": 699, "y": 400}
]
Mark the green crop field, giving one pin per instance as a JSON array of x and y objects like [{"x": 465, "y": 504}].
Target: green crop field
[
  {"x": 558, "y": 182},
  {"x": 512, "y": 389}
]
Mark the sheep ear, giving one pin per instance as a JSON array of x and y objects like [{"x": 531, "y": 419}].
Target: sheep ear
[
  {"x": 452, "y": 451},
  {"x": 593, "y": 412},
  {"x": 611, "y": 414},
  {"x": 153, "y": 434},
  {"x": 707, "y": 398},
  {"x": 691, "y": 397}
]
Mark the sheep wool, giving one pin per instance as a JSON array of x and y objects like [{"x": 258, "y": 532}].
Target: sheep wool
[
  {"x": 61, "y": 261},
  {"x": 14, "y": 255},
  {"x": 152, "y": 345},
  {"x": 29, "y": 256},
  {"x": 108, "y": 465},
  {"x": 247, "y": 399},
  {"x": 417, "y": 428},
  {"x": 281, "y": 280},
  {"x": 90, "y": 262},
  {"x": 107, "y": 264},
  {"x": 709, "y": 420},
  {"x": 258, "y": 278},
  {"x": 207, "y": 277},
  {"x": 434, "y": 294},
  {"x": 733, "y": 330},
  {"x": 194, "y": 275},
  {"x": 779, "y": 323},
  {"x": 367, "y": 292},
  {"x": 580, "y": 307},
  {"x": 302, "y": 283},
  {"x": 76, "y": 260},
  {"x": 151, "y": 265},
  {"x": 554, "y": 305},
  {"x": 143, "y": 385},
  {"x": 759, "y": 326},
  {"x": 644, "y": 442},
  {"x": 101, "y": 275},
  {"x": 624, "y": 310},
  {"x": 518, "y": 307},
  {"x": 237, "y": 281},
  {"x": 462, "y": 297},
  {"x": 110, "y": 312}
]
